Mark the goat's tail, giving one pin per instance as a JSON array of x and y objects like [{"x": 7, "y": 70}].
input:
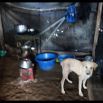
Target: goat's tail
[{"x": 62, "y": 64}]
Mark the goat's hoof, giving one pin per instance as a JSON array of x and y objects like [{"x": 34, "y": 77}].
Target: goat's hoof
[
  {"x": 70, "y": 82},
  {"x": 85, "y": 87},
  {"x": 63, "y": 92},
  {"x": 81, "y": 94}
]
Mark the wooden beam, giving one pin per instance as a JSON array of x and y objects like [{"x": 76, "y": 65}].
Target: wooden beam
[
  {"x": 31, "y": 11},
  {"x": 97, "y": 28},
  {"x": 68, "y": 52},
  {"x": 1, "y": 32}
]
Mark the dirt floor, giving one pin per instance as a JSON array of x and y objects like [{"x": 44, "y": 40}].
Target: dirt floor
[{"x": 47, "y": 86}]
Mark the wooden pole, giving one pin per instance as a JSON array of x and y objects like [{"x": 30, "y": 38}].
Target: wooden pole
[
  {"x": 97, "y": 28},
  {"x": 1, "y": 33}
]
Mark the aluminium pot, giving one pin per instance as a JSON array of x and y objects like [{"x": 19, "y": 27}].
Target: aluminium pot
[
  {"x": 25, "y": 63},
  {"x": 21, "y": 28}
]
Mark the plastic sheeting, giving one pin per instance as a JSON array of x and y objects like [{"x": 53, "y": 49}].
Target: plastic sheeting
[{"x": 68, "y": 37}]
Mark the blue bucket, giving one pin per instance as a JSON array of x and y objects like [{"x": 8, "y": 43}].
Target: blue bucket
[
  {"x": 71, "y": 14},
  {"x": 61, "y": 57},
  {"x": 46, "y": 61}
]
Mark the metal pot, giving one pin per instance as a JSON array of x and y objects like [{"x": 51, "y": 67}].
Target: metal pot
[
  {"x": 25, "y": 47},
  {"x": 21, "y": 28},
  {"x": 25, "y": 63}
]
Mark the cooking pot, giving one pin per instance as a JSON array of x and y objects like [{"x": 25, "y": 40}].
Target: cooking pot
[
  {"x": 21, "y": 28},
  {"x": 25, "y": 47},
  {"x": 25, "y": 63}
]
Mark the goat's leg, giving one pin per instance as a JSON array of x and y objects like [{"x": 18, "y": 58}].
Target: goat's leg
[
  {"x": 65, "y": 72},
  {"x": 80, "y": 86},
  {"x": 62, "y": 82},
  {"x": 84, "y": 84},
  {"x": 62, "y": 85},
  {"x": 69, "y": 81}
]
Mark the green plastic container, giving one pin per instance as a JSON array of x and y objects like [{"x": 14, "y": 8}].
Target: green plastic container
[{"x": 2, "y": 53}]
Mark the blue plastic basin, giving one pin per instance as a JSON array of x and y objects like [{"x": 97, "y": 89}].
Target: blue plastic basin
[
  {"x": 46, "y": 61},
  {"x": 61, "y": 57}
]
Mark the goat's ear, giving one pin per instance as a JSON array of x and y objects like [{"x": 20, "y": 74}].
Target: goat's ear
[
  {"x": 95, "y": 65},
  {"x": 83, "y": 63}
]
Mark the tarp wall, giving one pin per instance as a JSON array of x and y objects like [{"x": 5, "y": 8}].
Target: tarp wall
[{"x": 75, "y": 37}]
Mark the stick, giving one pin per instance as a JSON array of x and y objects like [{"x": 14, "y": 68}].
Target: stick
[
  {"x": 97, "y": 29},
  {"x": 52, "y": 25}
]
